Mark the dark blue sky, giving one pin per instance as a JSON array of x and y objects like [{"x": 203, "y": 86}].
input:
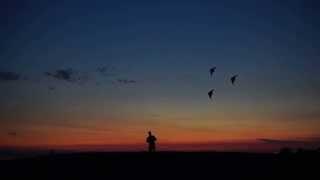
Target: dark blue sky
[{"x": 157, "y": 55}]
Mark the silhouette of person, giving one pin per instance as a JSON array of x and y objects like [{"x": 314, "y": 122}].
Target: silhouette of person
[{"x": 151, "y": 140}]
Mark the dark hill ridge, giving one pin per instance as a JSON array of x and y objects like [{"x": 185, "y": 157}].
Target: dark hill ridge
[{"x": 163, "y": 165}]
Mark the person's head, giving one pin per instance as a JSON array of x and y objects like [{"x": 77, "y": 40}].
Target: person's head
[{"x": 149, "y": 133}]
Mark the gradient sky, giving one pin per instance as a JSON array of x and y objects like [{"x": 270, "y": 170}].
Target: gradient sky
[{"x": 143, "y": 65}]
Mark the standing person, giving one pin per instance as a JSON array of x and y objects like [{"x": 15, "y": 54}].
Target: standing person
[{"x": 151, "y": 140}]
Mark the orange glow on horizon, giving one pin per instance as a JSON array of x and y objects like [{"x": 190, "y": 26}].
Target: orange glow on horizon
[{"x": 206, "y": 134}]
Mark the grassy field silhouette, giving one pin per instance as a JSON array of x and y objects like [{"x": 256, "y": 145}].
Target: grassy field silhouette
[{"x": 163, "y": 165}]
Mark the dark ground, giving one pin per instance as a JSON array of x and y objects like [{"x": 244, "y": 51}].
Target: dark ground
[{"x": 164, "y": 165}]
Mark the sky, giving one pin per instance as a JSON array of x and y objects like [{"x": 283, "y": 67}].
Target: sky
[{"x": 103, "y": 73}]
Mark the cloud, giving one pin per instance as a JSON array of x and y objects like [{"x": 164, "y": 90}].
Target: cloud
[
  {"x": 314, "y": 139},
  {"x": 106, "y": 70},
  {"x": 277, "y": 141},
  {"x": 307, "y": 142},
  {"x": 126, "y": 81},
  {"x": 62, "y": 74},
  {"x": 9, "y": 76},
  {"x": 68, "y": 75},
  {"x": 12, "y": 134}
]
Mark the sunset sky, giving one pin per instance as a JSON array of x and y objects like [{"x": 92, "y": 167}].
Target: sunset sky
[{"x": 103, "y": 73}]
